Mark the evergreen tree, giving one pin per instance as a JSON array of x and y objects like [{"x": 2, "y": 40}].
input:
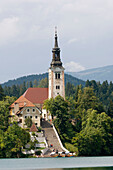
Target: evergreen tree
[
  {"x": 30, "y": 84},
  {"x": 43, "y": 83},
  {"x": 35, "y": 83},
  {"x": 27, "y": 85},
  {"x": 70, "y": 89},
  {"x": 14, "y": 91},
  {"x": 1, "y": 93}
]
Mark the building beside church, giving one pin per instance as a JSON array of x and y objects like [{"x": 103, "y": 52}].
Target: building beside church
[{"x": 30, "y": 104}]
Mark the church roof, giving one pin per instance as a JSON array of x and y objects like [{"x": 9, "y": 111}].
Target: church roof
[
  {"x": 36, "y": 95},
  {"x": 22, "y": 101}
]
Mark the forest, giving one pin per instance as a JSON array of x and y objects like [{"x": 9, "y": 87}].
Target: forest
[{"x": 84, "y": 120}]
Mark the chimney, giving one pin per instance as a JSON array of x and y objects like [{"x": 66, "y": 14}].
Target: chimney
[{"x": 16, "y": 108}]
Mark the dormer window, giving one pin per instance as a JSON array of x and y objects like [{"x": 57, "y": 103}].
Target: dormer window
[
  {"x": 33, "y": 110},
  {"x": 28, "y": 110}
]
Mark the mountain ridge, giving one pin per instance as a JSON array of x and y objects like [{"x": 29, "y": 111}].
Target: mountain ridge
[
  {"x": 38, "y": 77},
  {"x": 98, "y": 74}
]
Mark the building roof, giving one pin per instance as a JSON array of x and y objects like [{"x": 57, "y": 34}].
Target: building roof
[
  {"x": 33, "y": 128},
  {"x": 23, "y": 102},
  {"x": 36, "y": 95}
]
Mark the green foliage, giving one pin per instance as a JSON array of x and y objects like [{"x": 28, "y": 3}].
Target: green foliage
[
  {"x": 58, "y": 108},
  {"x": 35, "y": 83},
  {"x": 28, "y": 122},
  {"x": 39, "y": 129},
  {"x": 104, "y": 92},
  {"x": 2, "y": 95},
  {"x": 12, "y": 141},
  {"x": 70, "y": 89},
  {"x": 71, "y": 148},
  {"x": 43, "y": 83},
  {"x": 38, "y": 152},
  {"x": 96, "y": 136},
  {"x": 33, "y": 133},
  {"x": 18, "y": 86},
  {"x": 4, "y": 112}
]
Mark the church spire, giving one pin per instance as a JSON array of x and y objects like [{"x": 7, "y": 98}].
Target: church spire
[
  {"x": 56, "y": 53},
  {"x": 56, "y": 41}
]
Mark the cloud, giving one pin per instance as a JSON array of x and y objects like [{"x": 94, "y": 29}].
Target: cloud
[
  {"x": 73, "y": 67},
  {"x": 72, "y": 40},
  {"x": 8, "y": 29}
]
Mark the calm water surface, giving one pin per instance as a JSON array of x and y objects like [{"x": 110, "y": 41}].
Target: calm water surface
[{"x": 77, "y": 163}]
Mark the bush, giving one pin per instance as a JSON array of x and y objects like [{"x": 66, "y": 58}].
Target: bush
[
  {"x": 33, "y": 133},
  {"x": 38, "y": 152},
  {"x": 39, "y": 129},
  {"x": 71, "y": 148}
]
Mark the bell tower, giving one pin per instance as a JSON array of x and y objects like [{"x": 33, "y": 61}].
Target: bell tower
[{"x": 56, "y": 72}]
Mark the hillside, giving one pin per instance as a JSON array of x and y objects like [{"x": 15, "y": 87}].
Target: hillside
[
  {"x": 99, "y": 74},
  {"x": 18, "y": 81}
]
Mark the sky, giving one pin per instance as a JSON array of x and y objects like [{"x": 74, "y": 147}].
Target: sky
[{"x": 85, "y": 35}]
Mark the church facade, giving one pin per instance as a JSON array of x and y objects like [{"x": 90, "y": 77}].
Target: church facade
[{"x": 30, "y": 104}]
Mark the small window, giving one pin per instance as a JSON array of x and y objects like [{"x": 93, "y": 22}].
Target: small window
[
  {"x": 36, "y": 124},
  {"x": 20, "y": 120},
  {"x": 55, "y": 75},
  {"x": 36, "y": 117},
  {"x": 31, "y": 117},
  {"x": 57, "y": 87},
  {"x": 28, "y": 110},
  {"x": 58, "y": 75},
  {"x": 25, "y": 117},
  {"x": 33, "y": 110}
]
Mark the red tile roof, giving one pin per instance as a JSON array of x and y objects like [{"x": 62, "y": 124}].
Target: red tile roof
[
  {"x": 36, "y": 95},
  {"x": 33, "y": 128},
  {"x": 22, "y": 101}
]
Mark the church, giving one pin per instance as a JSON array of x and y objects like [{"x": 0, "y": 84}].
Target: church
[{"x": 30, "y": 104}]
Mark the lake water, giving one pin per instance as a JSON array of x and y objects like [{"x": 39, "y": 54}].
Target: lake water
[{"x": 76, "y": 163}]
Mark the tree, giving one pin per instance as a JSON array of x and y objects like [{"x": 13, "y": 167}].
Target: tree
[
  {"x": 14, "y": 90},
  {"x": 30, "y": 84},
  {"x": 88, "y": 100},
  {"x": 58, "y": 108},
  {"x": 22, "y": 88},
  {"x": 43, "y": 83},
  {"x": 28, "y": 122},
  {"x": 96, "y": 136},
  {"x": 69, "y": 89},
  {"x": 13, "y": 140},
  {"x": 1, "y": 93},
  {"x": 35, "y": 83},
  {"x": 4, "y": 112}
]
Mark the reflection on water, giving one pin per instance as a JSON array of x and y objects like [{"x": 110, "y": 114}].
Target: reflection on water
[
  {"x": 97, "y": 168},
  {"x": 78, "y": 163}
]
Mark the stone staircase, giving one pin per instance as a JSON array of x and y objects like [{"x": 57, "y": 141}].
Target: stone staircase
[{"x": 50, "y": 137}]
